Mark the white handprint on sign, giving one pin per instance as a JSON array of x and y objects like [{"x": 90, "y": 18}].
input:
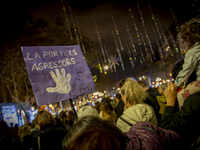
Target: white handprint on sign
[{"x": 62, "y": 82}]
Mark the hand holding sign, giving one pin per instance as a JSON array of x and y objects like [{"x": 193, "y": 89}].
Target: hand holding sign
[{"x": 62, "y": 82}]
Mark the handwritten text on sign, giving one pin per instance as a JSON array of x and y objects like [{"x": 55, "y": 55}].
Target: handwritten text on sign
[{"x": 57, "y": 73}]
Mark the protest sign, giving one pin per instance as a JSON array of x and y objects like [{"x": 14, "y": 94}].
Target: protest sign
[{"x": 57, "y": 73}]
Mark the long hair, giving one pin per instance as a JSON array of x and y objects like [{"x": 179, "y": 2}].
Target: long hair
[
  {"x": 190, "y": 32},
  {"x": 134, "y": 92},
  {"x": 107, "y": 110}
]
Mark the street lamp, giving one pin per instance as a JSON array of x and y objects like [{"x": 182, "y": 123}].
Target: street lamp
[
  {"x": 106, "y": 67},
  {"x": 158, "y": 79}
]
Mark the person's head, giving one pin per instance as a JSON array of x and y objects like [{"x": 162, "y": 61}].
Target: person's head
[
  {"x": 44, "y": 120},
  {"x": 16, "y": 126},
  {"x": 118, "y": 97},
  {"x": 87, "y": 111},
  {"x": 121, "y": 83},
  {"x": 11, "y": 124},
  {"x": 162, "y": 88},
  {"x": 107, "y": 110},
  {"x": 177, "y": 67},
  {"x": 33, "y": 124},
  {"x": 132, "y": 93},
  {"x": 94, "y": 133},
  {"x": 71, "y": 116},
  {"x": 106, "y": 102},
  {"x": 189, "y": 34},
  {"x": 143, "y": 84},
  {"x": 24, "y": 131},
  {"x": 62, "y": 115}
]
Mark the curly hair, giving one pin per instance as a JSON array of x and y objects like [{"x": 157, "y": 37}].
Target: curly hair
[
  {"x": 134, "y": 92},
  {"x": 190, "y": 32},
  {"x": 23, "y": 131}
]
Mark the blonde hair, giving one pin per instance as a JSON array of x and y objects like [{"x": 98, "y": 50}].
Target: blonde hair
[{"x": 133, "y": 92}]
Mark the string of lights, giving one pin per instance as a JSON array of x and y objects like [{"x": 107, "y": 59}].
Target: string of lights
[
  {"x": 66, "y": 18},
  {"x": 138, "y": 6},
  {"x": 120, "y": 57},
  {"x": 117, "y": 32},
  {"x": 75, "y": 30},
  {"x": 167, "y": 43},
  {"x": 102, "y": 50},
  {"x": 130, "y": 57},
  {"x": 99, "y": 65}
]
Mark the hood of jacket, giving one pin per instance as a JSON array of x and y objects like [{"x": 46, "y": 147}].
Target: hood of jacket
[{"x": 136, "y": 113}]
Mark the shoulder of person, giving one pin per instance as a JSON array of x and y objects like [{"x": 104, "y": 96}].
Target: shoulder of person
[
  {"x": 193, "y": 100},
  {"x": 194, "y": 50}
]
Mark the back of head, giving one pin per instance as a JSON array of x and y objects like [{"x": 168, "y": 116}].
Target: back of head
[
  {"x": 24, "y": 131},
  {"x": 133, "y": 92},
  {"x": 142, "y": 84},
  {"x": 33, "y": 124},
  {"x": 107, "y": 111},
  {"x": 62, "y": 115},
  {"x": 190, "y": 31},
  {"x": 122, "y": 82},
  {"x": 94, "y": 133},
  {"x": 87, "y": 111},
  {"x": 106, "y": 101},
  {"x": 44, "y": 120},
  {"x": 177, "y": 67},
  {"x": 118, "y": 96},
  {"x": 71, "y": 116}
]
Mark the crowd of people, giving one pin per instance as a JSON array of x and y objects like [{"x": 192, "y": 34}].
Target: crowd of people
[{"x": 139, "y": 118}]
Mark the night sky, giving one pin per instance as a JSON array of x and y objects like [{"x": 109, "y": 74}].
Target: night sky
[{"x": 101, "y": 11}]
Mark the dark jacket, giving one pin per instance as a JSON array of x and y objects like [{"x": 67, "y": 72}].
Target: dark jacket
[
  {"x": 153, "y": 93},
  {"x": 185, "y": 122},
  {"x": 147, "y": 136},
  {"x": 51, "y": 139},
  {"x": 152, "y": 101},
  {"x": 119, "y": 109}
]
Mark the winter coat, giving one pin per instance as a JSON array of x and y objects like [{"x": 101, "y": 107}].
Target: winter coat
[
  {"x": 186, "y": 121},
  {"x": 152, "y": 101},
  {"x": 135, "y": 114},
  {"x": 50, "y": 139},
  {"x": 147, "y": 136},
  {"x": 191, "y": 63}
]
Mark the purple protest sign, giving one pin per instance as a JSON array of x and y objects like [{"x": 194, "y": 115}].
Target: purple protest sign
[{"x": 57, "y": 73}]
